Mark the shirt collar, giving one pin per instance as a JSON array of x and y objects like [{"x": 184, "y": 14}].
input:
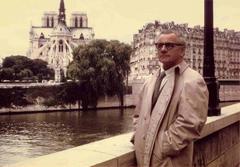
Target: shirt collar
[
  {"x": 171, "y": 70},
  {"x": 181, "y": 66}
]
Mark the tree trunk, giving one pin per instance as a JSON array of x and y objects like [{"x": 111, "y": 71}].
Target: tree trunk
[
  {"x": 121, "y": 99},
  {"x": 85, "y": 105},
  {"x": 79, "y": 104}
]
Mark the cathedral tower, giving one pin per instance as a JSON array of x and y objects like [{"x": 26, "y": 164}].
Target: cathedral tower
[
  {"x": 62, "y": 16},
  {"x": 54, "y": 41}
]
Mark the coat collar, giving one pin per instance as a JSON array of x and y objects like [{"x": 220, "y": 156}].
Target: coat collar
[{"x": 181, "y": 67}]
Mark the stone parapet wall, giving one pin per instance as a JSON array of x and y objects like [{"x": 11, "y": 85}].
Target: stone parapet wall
[
  {"x": 111, "y": 152},
  {"x": 222, "y": 148},
  {"x": 103, "y": 103},
  {"x": 220, "y": 142}
]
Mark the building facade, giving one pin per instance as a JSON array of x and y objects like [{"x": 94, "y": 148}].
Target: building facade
[
  {"x": 226, "y": 50},
  {"x": 54, "y": 41}
]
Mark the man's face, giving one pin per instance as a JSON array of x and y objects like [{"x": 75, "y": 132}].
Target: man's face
[{"x": 170, "y": 50}]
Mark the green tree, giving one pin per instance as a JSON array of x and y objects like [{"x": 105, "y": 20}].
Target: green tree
[
  {"x": 67, "y": 93},
  {"x": 7, "y": 74},
  {"x": 25, "y": 74},
  {"x": 40, "y": 69},
  {"x": 13, "y": 97},
  {"x": 43, "y": 95},
  {"x": 19, "y": 96},
  {"x": 12, "y": 61},
  {"x": 17, "y": 63},
  {"x": 120, "y": 54},
  {"x": 6, "y": 98},
  {"x": 22, "y": 67},
  {"x": 100, "y": 67}
]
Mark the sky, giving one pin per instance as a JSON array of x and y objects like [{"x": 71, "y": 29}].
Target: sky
[{"x": 111, "y": 19}]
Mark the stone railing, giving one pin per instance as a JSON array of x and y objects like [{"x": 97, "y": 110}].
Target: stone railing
[
  {"x": 219, "y": 146},
  {"x": 220, "y": 140}
]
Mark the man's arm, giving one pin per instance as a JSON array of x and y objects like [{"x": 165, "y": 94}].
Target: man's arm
[{"x": 192, "y": 114}]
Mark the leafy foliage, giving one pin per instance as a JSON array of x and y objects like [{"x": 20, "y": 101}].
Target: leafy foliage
[
  {"x": 43, "y": 95},
  {"x": 100, "y": 67},
  {"x": 6, "y": 97},
  {"x": 21, "y": 67},
  {"x": 13, "y": 97},
  {"x": 67, "y": 93}
]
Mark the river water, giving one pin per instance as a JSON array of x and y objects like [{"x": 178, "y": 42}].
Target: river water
[{"x": 32, "y": 135}]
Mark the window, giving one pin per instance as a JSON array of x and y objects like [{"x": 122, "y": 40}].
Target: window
[
  {"x": 194, "y": 50},
  {"x": 60, "y": 46},
  {"x": 76, "y": 22},
  {"x": 52, "y": 22},
  {"x": 47, "y": 21},
  {"x": 81, "y": 22}
]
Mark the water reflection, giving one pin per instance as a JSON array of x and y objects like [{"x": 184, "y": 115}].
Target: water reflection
[{"x": 32, "y": 135}]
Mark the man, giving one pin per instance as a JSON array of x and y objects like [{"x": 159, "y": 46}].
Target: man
[{"x": 167, "y": 122}]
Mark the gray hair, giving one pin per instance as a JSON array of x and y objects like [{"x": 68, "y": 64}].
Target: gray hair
[{"x": 179, "y": 35}]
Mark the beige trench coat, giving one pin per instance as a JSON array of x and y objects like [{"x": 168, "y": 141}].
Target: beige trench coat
[{"x": 165, "y": 138}]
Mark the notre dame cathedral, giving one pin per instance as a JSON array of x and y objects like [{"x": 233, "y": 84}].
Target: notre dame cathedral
[{"x": 54, "y": 41}]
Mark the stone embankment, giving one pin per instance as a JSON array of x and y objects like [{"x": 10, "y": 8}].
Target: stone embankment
[{"x": 104, "y": 103}]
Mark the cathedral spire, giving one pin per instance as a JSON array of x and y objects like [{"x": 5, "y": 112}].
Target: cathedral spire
[{"x": 61, "y": 16}]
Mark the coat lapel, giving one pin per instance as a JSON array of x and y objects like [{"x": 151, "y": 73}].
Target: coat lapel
[
  {"x": 149, "y": 94},
  {"x": 156, "y": 118}
]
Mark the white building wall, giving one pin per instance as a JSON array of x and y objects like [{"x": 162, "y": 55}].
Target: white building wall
[{"x": 226, "y": 50}]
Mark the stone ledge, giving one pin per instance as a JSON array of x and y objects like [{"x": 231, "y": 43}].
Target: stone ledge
[
  {"x": 229, "y": 115},
  {"x": 112, "y": 152},
  {"x": 227, "y": 159}
]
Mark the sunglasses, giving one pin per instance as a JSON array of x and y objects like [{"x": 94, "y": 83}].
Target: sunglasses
[{"x": 167, "y": 45}]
